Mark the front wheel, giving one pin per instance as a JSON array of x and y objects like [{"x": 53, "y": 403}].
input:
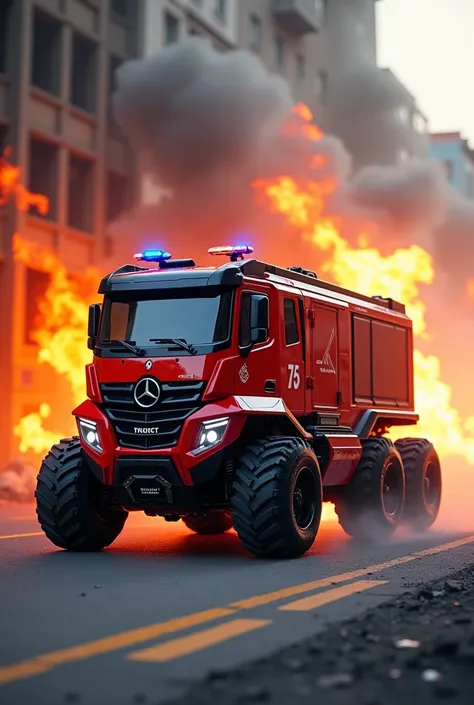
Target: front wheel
[
  {"x": 68, "y": 502},
  {"x": 277, "y": 497},
  {"x": 215, "y": 522}
]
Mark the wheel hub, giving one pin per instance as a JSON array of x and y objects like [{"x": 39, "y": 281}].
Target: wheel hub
[
  {"x": 304, "y": 499},
  {"x": 392, "y": 490}
]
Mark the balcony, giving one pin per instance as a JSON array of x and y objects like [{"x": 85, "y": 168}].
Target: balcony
[{"x": 298, "y": 16}]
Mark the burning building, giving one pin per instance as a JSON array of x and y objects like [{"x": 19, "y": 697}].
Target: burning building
[{"x": 56, "y": 70}]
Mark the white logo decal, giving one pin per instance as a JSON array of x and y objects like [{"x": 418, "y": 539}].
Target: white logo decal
[
  {"x": 148, "y": 365},
  {"x": 294, "y": 379},
  {"x": 244, "y": 374},
  {"x": 326, "y": 364}
]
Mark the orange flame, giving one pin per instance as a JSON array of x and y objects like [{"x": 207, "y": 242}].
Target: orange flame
[
  {"x": 11, "y": 188},
  {"x": 470, "y": 288}
]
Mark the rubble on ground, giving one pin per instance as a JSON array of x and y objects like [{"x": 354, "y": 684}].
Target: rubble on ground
[{"x": 417, "y": 649}]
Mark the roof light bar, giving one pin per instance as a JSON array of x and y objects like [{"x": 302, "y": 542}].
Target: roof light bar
[
  {"x": 235, "y": 252},
  {"x": 152, "y": 256}
]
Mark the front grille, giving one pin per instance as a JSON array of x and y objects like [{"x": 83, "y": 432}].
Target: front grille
[{"x": 177, "y": 401}]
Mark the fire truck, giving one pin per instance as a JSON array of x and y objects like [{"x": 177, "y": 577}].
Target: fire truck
[{"x": 240, "y": 396}]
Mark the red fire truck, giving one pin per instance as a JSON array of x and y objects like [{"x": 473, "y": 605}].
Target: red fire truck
[{"x": 240, "y": 396}]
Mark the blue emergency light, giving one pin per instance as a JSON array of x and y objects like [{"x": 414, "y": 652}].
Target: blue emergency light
[
  {"x": 235, "y": 252},
  {"x": 152, "y": 256}
]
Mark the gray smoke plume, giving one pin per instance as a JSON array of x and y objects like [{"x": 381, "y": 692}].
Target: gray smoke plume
[
  {"x": 194, "y": 113},
  {"x": 205, "y": 124}
]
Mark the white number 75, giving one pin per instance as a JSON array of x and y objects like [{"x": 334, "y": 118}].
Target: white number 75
[{"x": 294, "y": 376}]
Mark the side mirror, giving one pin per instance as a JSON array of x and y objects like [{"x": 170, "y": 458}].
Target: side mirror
[{"x": 93, "y": 325}]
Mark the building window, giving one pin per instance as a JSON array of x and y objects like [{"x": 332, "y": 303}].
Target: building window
[
  {"x": 291, "y": 325},
  {"x": 84, "y": 72},
  {"x": 420, "y": 124},
  {"x": 449, "y": 169},
  {"x": 171, "y": 29},
  {"x": 80, "y": 190},
  {"x": 280, "y": 54},
  {"x": 5, "y": 17},
  {"x": 255, "y": 33},
  {"x": 403, "y": 155},
  {"x": 403, "y": 114},
  {"x": 36, "y": 285},
  {"x": 45, "y": 59},
  {"x": 43, "y": 174},
  {"x": 324, "y": 9},
  {"x": 114, "y": 63},
  {"x": 118, "y": 194},
  {"x": 300, "y": 66},
  {"x": 220, "y": 10},
  {"x": 3, "y": 138},
  {"x": 322, "y": 86},
  {"x": 121, "y": 7}
]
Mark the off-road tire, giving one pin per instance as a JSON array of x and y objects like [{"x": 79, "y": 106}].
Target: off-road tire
[
  {"x": 421, "y": 463},
  {"x": 360, "y": 505},
  {"x": 66, "y": 502},
  {"x": 215, "y": 522},
  {"x": 262, "y": 497}
]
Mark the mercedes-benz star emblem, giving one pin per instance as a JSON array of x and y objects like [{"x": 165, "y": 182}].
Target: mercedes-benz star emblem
[
  {"x": 148, "y": 365},
  {"x": 147, "y": 392}
]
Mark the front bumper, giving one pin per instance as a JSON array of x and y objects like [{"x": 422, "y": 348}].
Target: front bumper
[{"x": 180, "y": 464}]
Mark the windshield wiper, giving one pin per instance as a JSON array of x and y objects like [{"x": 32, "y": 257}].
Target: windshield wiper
[
  {"x": 139, "y": 352},
  {"x": 180, "y": 343}
]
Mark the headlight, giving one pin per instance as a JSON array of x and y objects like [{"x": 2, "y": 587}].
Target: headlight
[
  {"x": 211, "y": 433},
  {"x": 90, "y": 434}
]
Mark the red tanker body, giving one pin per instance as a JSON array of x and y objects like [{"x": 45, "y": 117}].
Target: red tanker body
[{"x": 241, "y": 395}]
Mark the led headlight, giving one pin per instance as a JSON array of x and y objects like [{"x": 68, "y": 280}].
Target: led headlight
[
  {"x": 211, "y": 433},
  {"x": 90, "y": 434}
]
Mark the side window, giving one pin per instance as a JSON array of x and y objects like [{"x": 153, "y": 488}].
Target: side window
[
  {"x": 291, "y": 326},
  {"x": 254, "y": 318},
  {"x": 244, "y": 331}
]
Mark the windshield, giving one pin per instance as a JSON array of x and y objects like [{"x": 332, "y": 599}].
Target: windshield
[{"x": 155, "y": 323}]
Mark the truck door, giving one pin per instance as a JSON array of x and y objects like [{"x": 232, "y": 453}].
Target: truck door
[
  {"x": 325, "y": 369},
  {"x": 292, "y": 353}
]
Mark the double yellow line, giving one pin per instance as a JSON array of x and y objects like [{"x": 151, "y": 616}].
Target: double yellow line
[{"x": 49, "y": 661}]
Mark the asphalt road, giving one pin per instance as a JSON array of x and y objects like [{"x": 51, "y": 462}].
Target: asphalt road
[{"x": 162, "y": 607}]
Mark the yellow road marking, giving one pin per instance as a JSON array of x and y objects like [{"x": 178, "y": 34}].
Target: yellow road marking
[
  {"x": 46, "y": 662},
  {"x": 325, "y": 598},
  {"x": 282, "y": 594},
  {"x": 21, "y": 536},
  {"x": 49, "y": 661},
  {"x": 200, "y": 640}
]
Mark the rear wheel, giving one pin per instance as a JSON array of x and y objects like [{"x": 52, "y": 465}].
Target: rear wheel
[
  {"x": 215, "y": 522},
  {"x": 277, "y": 497},
  {"x": 68, "y": 502},
  {"x": 423, "y": 482},
  {"x": 371, "y": 506}
]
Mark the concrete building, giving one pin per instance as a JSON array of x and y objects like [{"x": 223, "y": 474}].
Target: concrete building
[
  {"x": 56, "y": 63},
  {"x": 458, "y": 159}
]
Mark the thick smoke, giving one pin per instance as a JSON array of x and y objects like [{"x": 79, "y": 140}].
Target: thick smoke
[{"x": 205, "y": 124}]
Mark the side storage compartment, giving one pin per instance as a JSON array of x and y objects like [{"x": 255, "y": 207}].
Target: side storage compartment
[{"x": 382, "y": 369}]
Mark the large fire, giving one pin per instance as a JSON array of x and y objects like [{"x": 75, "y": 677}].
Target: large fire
[{"x": 62, "y": 333}]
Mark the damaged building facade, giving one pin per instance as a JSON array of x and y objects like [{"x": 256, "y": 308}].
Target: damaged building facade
[{"x": 56, "y": 64}]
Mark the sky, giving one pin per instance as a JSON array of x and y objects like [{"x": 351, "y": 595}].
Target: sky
[{"x": 429, "y": 44}]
